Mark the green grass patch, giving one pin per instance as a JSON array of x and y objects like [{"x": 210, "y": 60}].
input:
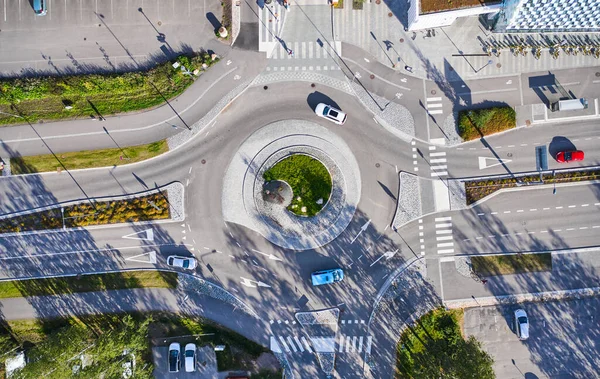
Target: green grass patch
[
  {"x": 435, "y": 348},
  {"x": 478, "y": 189},
  {"x": 473, "y": 124},
  {"x": 490, "y": 265},
  {"x": 429, "y": 6},
  {"x": 144, "y": 208},
  {"x": 309, "y": 179},
  {"x": 45, "y": 98},
  {"x": 357, "y": 4},
  {"x": 87, "y": 283},
  {"x": 87, "y": 158}
]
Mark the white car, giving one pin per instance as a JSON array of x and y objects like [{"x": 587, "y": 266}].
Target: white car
[
  {"x": 174, "y": 354},
  {"x": 190, "y": 357},
  {"x": 188, "y": 263},
  {"x": 521, "y": 324},
  {"x": 331, "y": 113}
]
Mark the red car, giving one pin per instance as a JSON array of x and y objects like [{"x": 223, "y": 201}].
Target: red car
[{"x": 569, "y": 156}]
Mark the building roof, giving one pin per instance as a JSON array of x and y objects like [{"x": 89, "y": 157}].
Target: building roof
[{"x": 549, "y": 15}]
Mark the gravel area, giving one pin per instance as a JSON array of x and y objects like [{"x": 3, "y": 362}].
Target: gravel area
[
  {"x": 463, "y": 266},
  {"x": 408, "y": 206},
  {"x": 395, "y": 118},
  {"x": 235, "y": 21},
  {"x": 194, "y": 283},
  {"x": 242, "y": 199},
  {"x": 175, "y": 194},
  {"x": 181, "y": 138},
  {"x": 449, "y": 127},
  {"x": 458, "y": 194}
]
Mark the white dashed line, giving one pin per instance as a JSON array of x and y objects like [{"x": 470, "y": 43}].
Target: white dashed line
[
  {"x": 572, "y": 206},
  {"x": 533, "y": 210}
]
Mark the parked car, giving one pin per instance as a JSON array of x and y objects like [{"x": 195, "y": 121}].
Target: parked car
[
  {"x": 39, "y": 7},
  {"x": 521, "y": 324},
  {"x": 174, "y": 357},
  {"x": 188, "y": 263},
  {"x": 327, "y": 276},
  {"x": 331, "y": 113},
  {"x": 190, "y": 357},
  {"x": 569, "y": 156}
]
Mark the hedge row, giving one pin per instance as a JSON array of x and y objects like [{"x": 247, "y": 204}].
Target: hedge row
[{"x": 473, "y": 124}]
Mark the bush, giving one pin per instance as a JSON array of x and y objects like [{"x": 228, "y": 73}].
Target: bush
[{"x": 473, "y": 124}]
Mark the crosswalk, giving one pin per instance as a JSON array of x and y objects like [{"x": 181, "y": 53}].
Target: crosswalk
[
  {"x": 344, "y": 344},
  {"x": 443, "y": 235},
  {"x": 270, "y": 25},
  {"x": 305, "y": 56},
  {"x": 437, "y": 162},
  {"x": 434, "y": 105}
]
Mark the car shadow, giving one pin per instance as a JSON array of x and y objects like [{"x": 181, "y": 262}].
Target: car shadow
[
  {"x": 317, "y": 97},
  {"x": 559, "y": 144}
]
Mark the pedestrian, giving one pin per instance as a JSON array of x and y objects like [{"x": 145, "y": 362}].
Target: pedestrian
[
  {"x": 408, "y": 68},
  {"x": 291, "y": 52},
  {"x": 483, "y": 281}
]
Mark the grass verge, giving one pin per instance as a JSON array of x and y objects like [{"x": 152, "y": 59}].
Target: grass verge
[
  {"x": 478, "y": 189},
  {"x": 434, "y": 348},
  {"x": 473, "y": 124},
  {"x": 87, "y": 283},
  {"x": 47, "y": 98},
  {"x": 143, "y": 208},
  {"x": 87, "y": 158},
  {"x": 309, "y": 179},
  {"x": 490, "y": 265}
]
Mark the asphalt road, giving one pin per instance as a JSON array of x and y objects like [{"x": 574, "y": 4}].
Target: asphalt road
[{"x": 563, "y": 340}]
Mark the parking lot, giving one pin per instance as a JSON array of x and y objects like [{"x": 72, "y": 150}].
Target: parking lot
[
  {"x": 564, "y": 339},
  {"x": 83, "y": 34},
  {"x": 206, "y": 364}
]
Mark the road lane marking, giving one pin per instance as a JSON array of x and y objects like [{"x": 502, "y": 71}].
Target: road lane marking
[
  {"x": 445, "y": 244},
  {"x": 443, "y": 225},
  {"x": 444, "y": 231},
  {"x": 444, "y": 238},
  {"x": 306, "y": 344},
  {"x": 284, "y": 344},
  {"x": 289, "y": 339},
  {"x": 446, "y": 251},
  {"x": 438, "y": 219}
]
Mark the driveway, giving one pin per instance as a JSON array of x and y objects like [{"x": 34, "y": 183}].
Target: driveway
[{"x": 564, "y": 339}]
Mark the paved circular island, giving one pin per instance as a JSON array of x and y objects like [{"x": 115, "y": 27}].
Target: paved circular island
[{"x": 246, "y": 202}]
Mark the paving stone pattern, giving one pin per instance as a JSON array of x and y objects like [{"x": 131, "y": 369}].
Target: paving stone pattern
[{"x": 408, "y": 206}]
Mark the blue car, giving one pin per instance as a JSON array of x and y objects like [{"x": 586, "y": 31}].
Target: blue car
[{"x": 327, "y": 276}]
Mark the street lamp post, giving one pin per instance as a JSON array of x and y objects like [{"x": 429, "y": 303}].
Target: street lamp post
[{"x": 62, "y": 212}]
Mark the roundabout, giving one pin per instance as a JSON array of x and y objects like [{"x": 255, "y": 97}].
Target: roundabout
[{"x": 328, "y": 174}]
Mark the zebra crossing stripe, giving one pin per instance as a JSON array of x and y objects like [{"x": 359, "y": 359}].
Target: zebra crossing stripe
[
  {"x": 354, "y": 343},
  {"x": 443, "y": 225},
  {"x": 434, "y": 99},
  {"x": 299, "y": 344},
  {"x": 360, "y": 344},
  {"x": 289, "y": 339},
  {"x": 341, "y": 344},
  {"x": 438, "y": 219},
  {"x": 368, "y": 347},
  {"x": 438, "y": 160},
  {"x": 438, "y": 154},
  {"x": 286, "y": 347},
  {"x": 307, "y": 345},
  {"x": 347, "y": 344}
]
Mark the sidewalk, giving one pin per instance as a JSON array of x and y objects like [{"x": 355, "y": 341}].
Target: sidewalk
[{"x": 378, "y": 30}]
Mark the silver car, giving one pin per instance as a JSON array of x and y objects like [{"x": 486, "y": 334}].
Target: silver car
[
  {"x": 190, "y": 357},
  {"x": 521, "y": 324},
  {"x": 331, "y": 113},
  {"x": 188, "y": 263}
]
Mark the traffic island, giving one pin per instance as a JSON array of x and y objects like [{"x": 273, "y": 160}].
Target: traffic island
[
  {"x": 165, "y": 203},
  {"x": 245, "y": 201}
]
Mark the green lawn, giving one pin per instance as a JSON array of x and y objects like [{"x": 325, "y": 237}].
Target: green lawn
[
  {"x": 435, "y": 348},
  {"x": 87, "y": 158},
  {"x": 490, "y": 265},
  {"x": 45, "y": 98},
  {"x": 87, "y": 283},
  {"x": 309, "y": 179},
  {"x": 473, "y": 124}
]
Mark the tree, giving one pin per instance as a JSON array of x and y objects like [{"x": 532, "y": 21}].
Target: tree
[{"x": 435, "y": 348}]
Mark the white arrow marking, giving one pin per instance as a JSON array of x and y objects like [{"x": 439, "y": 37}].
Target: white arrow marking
[
  {"x": 387, "y": 254},
  {"x": 483, "y": 162},
  {"x": 362, "y": 229},
  {"x": 366, "y": 60},
  {"x": 270, "y": 256},
  {"x": 151, "y": 258},
  {"x": 228, "y": 62},
  {"x": 509, "y": 82},
  {"x": 403, "y": 80},
  {"x": 149, "y": 235},
  {"x": 398, "y": 95},
  {"x": 250, "y": 283}
]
